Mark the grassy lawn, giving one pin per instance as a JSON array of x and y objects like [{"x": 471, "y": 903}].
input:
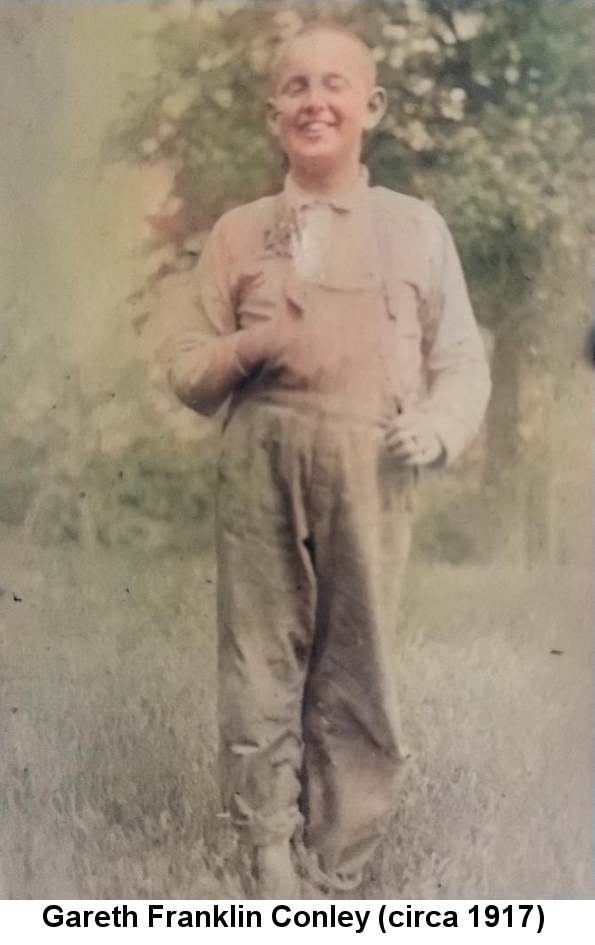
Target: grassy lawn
[{"x": 109, "y": 786}]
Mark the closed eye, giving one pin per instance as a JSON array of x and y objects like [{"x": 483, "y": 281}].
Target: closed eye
[
  {"x": 335, "y": 83},
  {"x": 294, "y": 86}
]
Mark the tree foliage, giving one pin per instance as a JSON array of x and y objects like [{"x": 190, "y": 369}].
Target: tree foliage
[{"x": 490, "y": 117}]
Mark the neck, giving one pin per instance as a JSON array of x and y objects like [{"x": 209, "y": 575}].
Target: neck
[{"x": 324, "y": 180}]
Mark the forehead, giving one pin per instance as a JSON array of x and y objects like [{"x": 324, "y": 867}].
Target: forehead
[{"x": 322, "y": 52}]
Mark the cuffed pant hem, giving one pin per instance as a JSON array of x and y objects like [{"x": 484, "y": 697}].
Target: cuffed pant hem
[{"x": 310, "y": 868}]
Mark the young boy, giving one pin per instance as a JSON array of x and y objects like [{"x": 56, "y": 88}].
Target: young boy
[{"x": 336, "y": 316}]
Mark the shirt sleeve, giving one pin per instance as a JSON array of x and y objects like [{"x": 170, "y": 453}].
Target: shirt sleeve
[
  {"x": 202, "y": 356},
  {"x": 458, "y": 374}
]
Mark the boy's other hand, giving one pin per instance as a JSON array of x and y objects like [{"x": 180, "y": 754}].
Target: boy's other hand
[
  {"x": 266, "y": 342},
  {"x": 411, "y": 440}
]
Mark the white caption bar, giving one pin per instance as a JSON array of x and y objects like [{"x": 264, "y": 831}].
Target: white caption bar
[{"x": 80, "y": 921}]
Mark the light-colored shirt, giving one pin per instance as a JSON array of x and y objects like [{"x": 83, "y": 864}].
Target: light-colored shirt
[
  {"x": 335, "y": 241},
  {"x": 265, "y": 254}
]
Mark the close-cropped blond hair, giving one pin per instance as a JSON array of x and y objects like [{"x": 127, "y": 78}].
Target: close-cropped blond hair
[{"x": 321, "y": 26}]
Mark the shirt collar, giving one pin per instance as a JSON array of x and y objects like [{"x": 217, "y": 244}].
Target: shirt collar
[{"x": 343, "y": 201}]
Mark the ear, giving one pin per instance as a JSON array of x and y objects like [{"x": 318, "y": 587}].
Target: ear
[
  {"x": 377, "y": 102},
  {"x": 273, "y": 117}
]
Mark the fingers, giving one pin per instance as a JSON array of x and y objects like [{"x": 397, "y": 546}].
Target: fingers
[
  {"x": 408, "y": 453},
  {"x": 406, "y": 439},
  {"x": 408, "y": 424},
  {"x": 252, "y": 346},
  {"x": 411, "y": 441},
  {"x": 416, "y": 455},
  {"x": 281, "y": 339}
]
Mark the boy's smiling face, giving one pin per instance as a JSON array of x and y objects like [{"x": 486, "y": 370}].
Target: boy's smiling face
[{"x": 323, "y": 100}]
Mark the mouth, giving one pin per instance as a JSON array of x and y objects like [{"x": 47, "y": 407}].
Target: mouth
[{"x": 315, "y": 127}]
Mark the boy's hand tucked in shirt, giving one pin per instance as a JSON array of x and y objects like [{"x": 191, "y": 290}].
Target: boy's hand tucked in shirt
[
  {"x": 266, "y": 342},
  {"x": 411, "y": 440}
]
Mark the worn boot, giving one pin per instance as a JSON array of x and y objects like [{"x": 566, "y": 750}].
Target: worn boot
[{"x": 270, "y": 872}]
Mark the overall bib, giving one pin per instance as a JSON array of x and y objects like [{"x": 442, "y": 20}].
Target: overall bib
[{"x": 313, "y": 535}]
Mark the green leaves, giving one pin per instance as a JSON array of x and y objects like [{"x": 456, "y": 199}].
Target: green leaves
[{"x": 491, "y": 114}]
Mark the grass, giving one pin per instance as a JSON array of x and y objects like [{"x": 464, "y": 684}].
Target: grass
[{"x": 109, "y": 786}]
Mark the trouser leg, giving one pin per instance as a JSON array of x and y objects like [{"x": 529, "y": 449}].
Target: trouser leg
[
  {"x": 353, "y": 746},
  {"x": 266, "y": 613}
]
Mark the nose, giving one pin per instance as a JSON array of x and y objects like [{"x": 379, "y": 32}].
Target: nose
[{"x": 314, "y": 100}]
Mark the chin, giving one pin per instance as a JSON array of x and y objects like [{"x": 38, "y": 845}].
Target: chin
[{"x": 315, "y": 155}]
